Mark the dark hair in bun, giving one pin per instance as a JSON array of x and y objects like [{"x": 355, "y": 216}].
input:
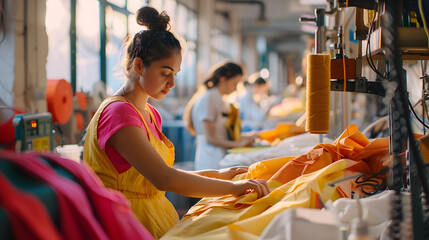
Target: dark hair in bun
[
  {"x": 149, "y": 17},
  {"x": 153, "y": 44}
]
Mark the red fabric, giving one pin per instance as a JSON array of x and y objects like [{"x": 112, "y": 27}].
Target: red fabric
[
  {"x": 110, "y": 207},
  {"x": 118, "y": 115},
  {"x": 76, "y": 218},
  {"x": 28, "y": 217}
]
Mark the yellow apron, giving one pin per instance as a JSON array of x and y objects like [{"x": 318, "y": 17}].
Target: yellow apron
[
  {"x": 148, "y": 203},
  {"x": 233, "y": 124}
]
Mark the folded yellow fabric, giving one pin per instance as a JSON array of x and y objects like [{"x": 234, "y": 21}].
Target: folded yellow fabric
[
  {"x": 295, "y": 181},
  {"x": 283, "y": 130},
  {"x": 241, "y": 150},
  {"x": 248, "y": 216}
]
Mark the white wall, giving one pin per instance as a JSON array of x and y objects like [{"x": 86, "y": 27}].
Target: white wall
[{"x": 23, "y": 56}]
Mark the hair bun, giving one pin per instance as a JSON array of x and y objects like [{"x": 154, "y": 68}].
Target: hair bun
[{"x": 149, "y": 17}]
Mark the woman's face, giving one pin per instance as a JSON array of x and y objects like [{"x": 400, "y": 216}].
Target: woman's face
[
  {"x": 158, "y": 78},
  {"x": 231, "y": 84}
]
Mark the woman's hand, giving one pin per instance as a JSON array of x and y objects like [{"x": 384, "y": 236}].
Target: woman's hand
[
  {"x": 229, "y": 173},
  {"x": 246, "y": 141},
  {"x": 245, "y": 186}
]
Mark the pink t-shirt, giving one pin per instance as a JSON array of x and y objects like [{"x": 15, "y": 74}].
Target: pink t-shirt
[{"x": 116, "y": 116}]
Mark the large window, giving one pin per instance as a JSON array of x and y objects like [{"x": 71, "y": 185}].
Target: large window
[
  {"x": 92, "y": 51},
  {"x": 94, "y": 45},
  {"x": 221, "y": 45},
  {"x": 185, "y": 24},
  {"x": 87, "y": 44},
  {"x": 58, "y": 27},
  {"x": 120, "y": 21},
  {"x": 116, "y": 30}
]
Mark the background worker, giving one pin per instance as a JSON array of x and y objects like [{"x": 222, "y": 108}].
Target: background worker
[{"x": 206, "y": 116}]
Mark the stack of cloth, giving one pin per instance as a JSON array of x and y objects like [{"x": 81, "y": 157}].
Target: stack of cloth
[
  {"x": 44, "y": 196},
  {"x": 307, "y": 180},
  {"x": 291, "y": 146}
]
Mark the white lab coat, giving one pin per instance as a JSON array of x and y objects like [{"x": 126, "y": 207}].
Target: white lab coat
[
  {"x": 252, "y": 115},
  {"x": 209, "y": 106}
]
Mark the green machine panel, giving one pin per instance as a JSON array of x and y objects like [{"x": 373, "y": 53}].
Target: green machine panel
[{"x": 33, "y": 131}]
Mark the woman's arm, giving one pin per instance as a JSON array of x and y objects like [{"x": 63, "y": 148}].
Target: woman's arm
[
  {"x": 209, "y": 133},
  {"x": 132, "y": 143},
  {"x": 226, "y": 174}
]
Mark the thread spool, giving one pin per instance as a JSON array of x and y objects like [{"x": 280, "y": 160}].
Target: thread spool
[
  {"x": 79, "y": 120},
  {"x": 318, "y": 88},
  {"x": 82, "y": 102},
  {"x": 59, "y": 95}
]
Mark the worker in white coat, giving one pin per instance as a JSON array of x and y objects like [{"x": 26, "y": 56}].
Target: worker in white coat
[
  {"x": 206, "y": 116},
  {"x": 254, "y": 104}
]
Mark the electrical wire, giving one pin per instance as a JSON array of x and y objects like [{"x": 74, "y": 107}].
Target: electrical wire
[
  {"x": 370, "y": 181},
  {"x": 416, "y": 115},
  {"x": 365, "y": 181},
  {"x": 425, "y": 84},
  {"x": 368, "y": 55},
  {"x": 422, "y": 14}
]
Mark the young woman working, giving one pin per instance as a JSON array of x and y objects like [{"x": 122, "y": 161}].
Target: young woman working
[{"x": 124, "y": 143}]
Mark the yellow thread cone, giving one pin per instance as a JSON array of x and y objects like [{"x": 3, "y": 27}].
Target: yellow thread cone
[{"x": 318, "y": 88}]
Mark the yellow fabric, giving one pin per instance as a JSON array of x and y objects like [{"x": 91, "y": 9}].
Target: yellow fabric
[
  {"x": 283, "y": 130},
  {"x": 250, "y": 216},
  {"x": 233, "y": 123},
  {"x": 238, "y": 150},
  {"x": 295, "y": 181},
  {"x": 149, "y": 204}
]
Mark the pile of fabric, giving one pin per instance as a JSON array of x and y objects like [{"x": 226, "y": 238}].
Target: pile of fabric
[
  {"x": 307, "y": 180},
  {"x": 291, "y": 146},
  {"x": 47, "y": 197}
]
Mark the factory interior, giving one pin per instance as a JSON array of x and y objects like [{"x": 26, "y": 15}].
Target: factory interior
[{"x": 214, "y": 119}]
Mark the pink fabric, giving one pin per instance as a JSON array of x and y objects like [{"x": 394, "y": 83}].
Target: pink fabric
[
  {"x": 28, "y": 217},
  {"x": 74, "y": 210},
  {"x": 116, "y": 116},
  {"x": 110, "y": 207}
]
